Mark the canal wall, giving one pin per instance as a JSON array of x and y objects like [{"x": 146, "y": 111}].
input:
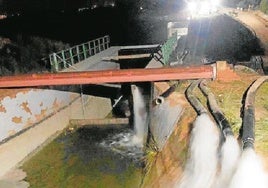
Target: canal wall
[
  {"x": 165, "y": 115},
  {"x": 171, "y": 137},
  {"x": 31, "y": 117}
]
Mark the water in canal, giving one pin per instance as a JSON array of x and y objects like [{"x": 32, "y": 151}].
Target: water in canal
[
  {"x": 93, "y": 157},
  {"x": 87, "y": 158}
]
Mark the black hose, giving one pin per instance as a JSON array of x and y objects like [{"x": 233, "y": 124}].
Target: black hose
[
  {"x": 216, "y": 111},
  {"x": 161, "y": 98},
  {"x": 248, "y": 124},
  {"x": 170, "y": 90},
  {"x": 193, "y": 100}
]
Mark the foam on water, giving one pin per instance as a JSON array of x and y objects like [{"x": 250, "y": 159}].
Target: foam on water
[{"x": 123, "y": 144}]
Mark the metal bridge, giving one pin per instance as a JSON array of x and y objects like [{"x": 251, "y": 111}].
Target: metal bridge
[{"x": 71, "y": 66}]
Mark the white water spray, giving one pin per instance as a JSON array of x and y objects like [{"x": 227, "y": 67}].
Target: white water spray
[
  {"x": 140, "y": 117},
  {"x": 230, "y": 153},
  {"x": 201, "y": 167},
  {"x": 250, "y": 172},
  {"x": 128, "y": 142}
]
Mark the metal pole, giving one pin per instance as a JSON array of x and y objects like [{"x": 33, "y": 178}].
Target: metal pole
[
  {"x": 71, "y": 56},
  {"x": 77, "y": 51},
  {"x": 55, "y": 62},
  {"x": 108, "y": 76}
]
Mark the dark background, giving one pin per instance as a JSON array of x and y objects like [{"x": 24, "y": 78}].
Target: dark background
[{"x": 36, "y": 28}]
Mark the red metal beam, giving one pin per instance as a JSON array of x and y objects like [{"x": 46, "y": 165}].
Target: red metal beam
[{"x": 107, "y": 76}]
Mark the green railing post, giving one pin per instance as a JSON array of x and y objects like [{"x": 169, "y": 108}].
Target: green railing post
[
  {"x": 63, "y": 59},
  {"x": 84, "y": 51},
  {"x": 78, "y": 54},
  {"x": 55, "y": 66},
  {"x": 89, "y": 48},
  {"x": 71, "y": 56}
]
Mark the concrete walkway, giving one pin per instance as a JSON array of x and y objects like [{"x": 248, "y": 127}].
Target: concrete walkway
[{"x": 14, "y": 179}]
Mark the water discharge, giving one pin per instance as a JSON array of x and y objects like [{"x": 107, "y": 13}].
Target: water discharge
[
  {"x": 201, "y": 166},
  {"x": 130, "y": 142},
  {"x": 229, "y": 155},
  {"x": 250, "y": 172},
  {"x": 209, "y": 166},
  {"x": 140, "y": 116}
]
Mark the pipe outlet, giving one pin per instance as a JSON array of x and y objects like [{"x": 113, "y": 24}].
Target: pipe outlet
[{"x": 159, "y": 100}]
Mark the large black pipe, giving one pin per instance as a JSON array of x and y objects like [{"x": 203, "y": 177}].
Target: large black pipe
[
  {"x": 248, "y": 124},
  {"x": 216, "y": 111},
  {"x": 193, "y": 100}
]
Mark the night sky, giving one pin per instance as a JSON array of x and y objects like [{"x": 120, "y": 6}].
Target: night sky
[{"x": 52, "y": 5}]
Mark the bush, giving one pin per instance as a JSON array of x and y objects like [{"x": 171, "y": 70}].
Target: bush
[
  {"x": 264, "y": 6},
  {"x": 27, "y": 55}
]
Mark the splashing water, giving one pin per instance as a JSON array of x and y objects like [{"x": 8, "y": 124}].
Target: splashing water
[
  {"x": 250, "y": 172},
  {"x": 230, "y": 153},
  {"x": 122, "y": 143},
  {"x": 129, "y": 143},
  {"x": 201, "y": 167}
]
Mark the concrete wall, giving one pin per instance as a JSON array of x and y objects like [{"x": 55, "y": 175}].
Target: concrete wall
[
  {"x": 28, "y": 107},
  {"x": 171, "y": 135},
  {"x": 165, "y": 116},
  {"x": 31, "y": 117}
]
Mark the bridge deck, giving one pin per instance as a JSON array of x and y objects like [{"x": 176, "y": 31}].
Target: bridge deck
[
  {"x": 106, "y": 59},
  {"x": 96, "y": 62}
]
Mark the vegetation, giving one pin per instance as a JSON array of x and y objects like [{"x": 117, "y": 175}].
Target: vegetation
[
  {"x": 27, "y": 54},
  {"x": 261, "y": 109},
  {"x": 150, "y": 156},
  {"x": 264, "y": 6}
]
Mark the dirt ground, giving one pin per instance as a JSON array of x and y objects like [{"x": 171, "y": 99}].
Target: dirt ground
[{"x": 258, "y": 22}]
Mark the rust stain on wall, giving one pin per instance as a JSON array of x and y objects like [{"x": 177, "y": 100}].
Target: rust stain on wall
[
  {"x": 42, "y": 115},
  {"x": 56, "y": 104},
  {"x": 2, "y": 109},
  {"x": 17, "y": 119},
  {"x": 25, "y": 107},
  {"x": 12, "y": 93}
]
